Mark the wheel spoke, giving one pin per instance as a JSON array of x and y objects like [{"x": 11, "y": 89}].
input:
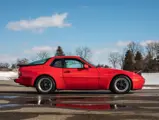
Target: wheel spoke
[
  {"x": 120, "y": 81},
  {"x": 123, "y": 87},
  {"x": 118, "y": 84},
  {"x": 45, "y": 84},
  {"x": 120, "y": 87},
  {"x": 123, "y": 81},
  {"x": 122, "y": 84}
]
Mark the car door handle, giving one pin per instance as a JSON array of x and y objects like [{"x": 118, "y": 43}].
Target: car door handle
[{"x": 67, "y": 71}]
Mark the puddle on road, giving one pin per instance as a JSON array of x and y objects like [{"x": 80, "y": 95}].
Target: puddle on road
[
  {"x": 8, "y": 97},
  {"x": 83, "y": 103},
  {"x": 83, "y": 106},
  {"x": 8, "y": 105}
]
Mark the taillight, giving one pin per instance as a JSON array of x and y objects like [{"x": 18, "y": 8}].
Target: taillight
[{"x": 19, "y": 73}]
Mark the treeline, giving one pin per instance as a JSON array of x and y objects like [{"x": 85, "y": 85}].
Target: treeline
[
  {"x": 9, "y": 67},
  {"x": 136, "y": 57},
  {"x": 84, "y": 52}
]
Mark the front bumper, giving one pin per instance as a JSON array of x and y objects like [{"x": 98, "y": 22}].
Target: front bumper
[{"x": 138, "y": 83}]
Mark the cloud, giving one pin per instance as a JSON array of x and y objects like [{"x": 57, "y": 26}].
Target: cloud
[
  {"x": 142, "y": 43},
  {"x": 100, "y": 51},
  {"x": 37, "y": 49},
  {"x": 122, "y": 43},
  {"x": 10, "y": 58},
  {"x": 145, "y": 42},
  {"x": 40, "y": 23},
  {"x": 100, "y": 56}
]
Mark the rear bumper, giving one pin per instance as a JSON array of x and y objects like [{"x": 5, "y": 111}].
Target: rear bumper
[{"x": 24, "y": 81}]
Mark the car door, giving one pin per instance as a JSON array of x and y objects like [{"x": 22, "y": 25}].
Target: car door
[
  {"x": 77, "y": 77},
  {"x": 56, "y": 71}
]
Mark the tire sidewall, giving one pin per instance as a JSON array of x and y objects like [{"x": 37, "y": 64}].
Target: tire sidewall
[
  {"x": 53, "y": 86},
  {"x": 113, "y": 88}
]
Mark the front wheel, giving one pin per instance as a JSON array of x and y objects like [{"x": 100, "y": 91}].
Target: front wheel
[
  {"x": 45, "y": 85},
  {"x": 121, "y": 85}
]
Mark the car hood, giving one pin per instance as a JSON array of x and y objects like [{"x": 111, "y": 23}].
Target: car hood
[{"x": 114, "y": 71}]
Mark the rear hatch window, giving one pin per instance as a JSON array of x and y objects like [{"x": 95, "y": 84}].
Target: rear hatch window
[{"x": 39, "y": 62}]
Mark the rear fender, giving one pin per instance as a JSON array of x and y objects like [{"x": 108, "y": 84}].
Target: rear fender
[
  {"x": 34, "y": 83},
  {"x": 59, "y": 83}
]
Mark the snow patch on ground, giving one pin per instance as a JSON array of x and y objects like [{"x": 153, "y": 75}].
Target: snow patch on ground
[
  {"x": 8, "y": 75},
  {"x": 150, "y": 88},
  {"x": 151, "y": 78}
]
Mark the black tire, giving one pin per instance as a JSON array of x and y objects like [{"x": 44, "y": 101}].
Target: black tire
[
  {"x": 45, "y": 85},
  {"x": 120, "y": 85}
]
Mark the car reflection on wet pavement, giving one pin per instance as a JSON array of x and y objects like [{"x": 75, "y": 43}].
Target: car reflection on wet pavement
[{"x": 82, "y": 105}]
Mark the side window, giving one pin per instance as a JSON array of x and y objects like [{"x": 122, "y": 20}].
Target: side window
[
  {"x": 72, "y": 63},
  {"x": 57, "y": 63}
]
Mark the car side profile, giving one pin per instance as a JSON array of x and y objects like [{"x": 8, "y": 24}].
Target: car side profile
[{"x": 75, "y": 73}]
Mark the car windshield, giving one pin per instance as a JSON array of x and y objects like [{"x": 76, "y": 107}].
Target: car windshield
[
  {"x": 42, "y": 61},
  {"x": 88, "y": 62}
]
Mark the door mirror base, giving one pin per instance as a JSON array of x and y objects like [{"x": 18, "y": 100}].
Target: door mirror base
[{"x": 86, "y": 66}]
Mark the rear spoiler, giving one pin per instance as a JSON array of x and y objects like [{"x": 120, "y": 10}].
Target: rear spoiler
[
  {"x": 21, "y": 65},
  {"x": 139, "y": 72},
  {"x": 25, "y": 65}
]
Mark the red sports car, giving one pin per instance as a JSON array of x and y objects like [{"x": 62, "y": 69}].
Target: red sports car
[{"x": 75, "y": 73}]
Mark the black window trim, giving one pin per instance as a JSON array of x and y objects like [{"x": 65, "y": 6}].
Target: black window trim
[
  {"x": 63, "y": 62},
  {"x": 72, "y": 59},
  {"x": 55, "y": 61}
]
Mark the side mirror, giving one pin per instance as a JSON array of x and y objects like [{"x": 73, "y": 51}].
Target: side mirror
[{"x": 86, "y": 66}]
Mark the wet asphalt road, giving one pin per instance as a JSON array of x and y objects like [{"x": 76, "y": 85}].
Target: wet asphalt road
[{"x": 21, "y": 104}]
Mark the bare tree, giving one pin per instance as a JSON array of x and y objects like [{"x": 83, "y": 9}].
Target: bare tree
[
  {"x": 42, "y": 55},
  {"x": 84, "y": 52},
  {"x": 121, "y": 60},
  {"x": 22, "y": 61},
  {"x": 153, "y": 49},
  {"x": 115, "y": 59},
  {"x": 150, "y": 48},
  {"x": 69, "y": 53},
  {"x": 156, "y": 49},
  {"x": 4, "y": 65},
  {"x": 134, "y": 47}
]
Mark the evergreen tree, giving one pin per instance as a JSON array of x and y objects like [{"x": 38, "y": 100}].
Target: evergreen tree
[
  {"x": 128, "y": 61},
  {"x": 148, "y": 61},
  {"x": 59, "y": 51},
  {"x": 13, "y": 66},
  {"x": 138, "y": 56},
  {"x": 158, "y": 55},
  {"x": 138, "y": 61},
  {"x": 157, "y": 60}
]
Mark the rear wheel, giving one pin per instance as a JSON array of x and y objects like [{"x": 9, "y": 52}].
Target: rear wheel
[
  {"x": 121, "y": 85},
  {"x": 45, "y": 84}
]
